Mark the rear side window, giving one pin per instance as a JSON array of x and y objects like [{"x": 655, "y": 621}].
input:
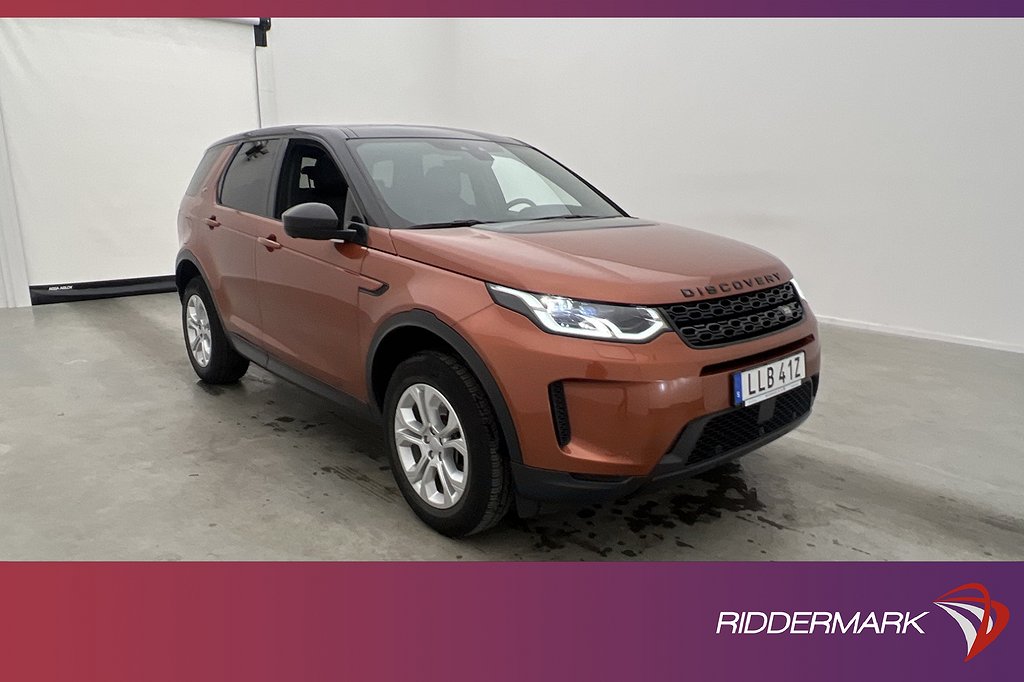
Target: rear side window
[
  {"x": 203, "y": 170},
  {"x": 246, "y": 184}
]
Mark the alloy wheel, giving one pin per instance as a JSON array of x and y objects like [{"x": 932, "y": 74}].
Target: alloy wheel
[
  {"x": 431, "y": 446},
  {"x": 197, "y": 327}
]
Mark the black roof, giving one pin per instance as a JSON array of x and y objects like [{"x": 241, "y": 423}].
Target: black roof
[{"x": 365, "y": 131}]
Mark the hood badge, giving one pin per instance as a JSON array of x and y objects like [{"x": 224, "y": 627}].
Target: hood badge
[{"x": 733, "y": 286}]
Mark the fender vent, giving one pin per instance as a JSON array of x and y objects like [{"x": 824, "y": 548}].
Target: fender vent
[{"x": 559, "y": 413}]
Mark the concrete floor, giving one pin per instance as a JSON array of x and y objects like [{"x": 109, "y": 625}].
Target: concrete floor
[{"x": 111, "y": 449}]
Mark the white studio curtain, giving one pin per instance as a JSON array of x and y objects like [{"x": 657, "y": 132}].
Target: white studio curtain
[{"x": 104, "y": 121}]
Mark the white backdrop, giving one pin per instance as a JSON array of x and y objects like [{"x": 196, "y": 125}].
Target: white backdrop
[
  {"x": 363, "y": 70},
  {"x": 105, "y": 121},
  {"x": 883, "y": 160}
]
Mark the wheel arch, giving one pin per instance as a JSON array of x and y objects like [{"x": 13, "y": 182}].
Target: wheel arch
[
  {"x": 408, "y": 332},
  {"x": 187, "y": 267}
]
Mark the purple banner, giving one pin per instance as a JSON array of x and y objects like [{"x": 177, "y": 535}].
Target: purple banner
[
  {"x": 626, "y": 621},
  {"x": 525, "y": 8}
]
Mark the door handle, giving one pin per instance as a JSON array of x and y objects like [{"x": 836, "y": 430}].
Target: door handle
[
  {"x": 269, "y": 242},
  {"x": 212, "y": 222}
]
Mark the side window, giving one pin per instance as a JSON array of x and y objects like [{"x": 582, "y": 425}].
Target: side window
[
  {"x": 309, "y": 174},
  {"x": 203, "y": 170},
  {"x": 246, "y": 184}
]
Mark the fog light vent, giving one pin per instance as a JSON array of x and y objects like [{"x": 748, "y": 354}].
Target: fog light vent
[{"x": 559, "y": 413}]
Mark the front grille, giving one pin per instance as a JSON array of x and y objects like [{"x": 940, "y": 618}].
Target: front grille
[
  {"x": 703, "y": 324},
  {"x": 733, "y": 429}
]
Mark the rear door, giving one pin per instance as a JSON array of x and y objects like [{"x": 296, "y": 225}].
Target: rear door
[
  {"x": 241, "y": 216},
  {"x": 309, "y": 289}
]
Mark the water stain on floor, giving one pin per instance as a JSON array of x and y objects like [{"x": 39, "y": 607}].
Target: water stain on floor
[
  {"x": 628, "y": 526},
  {"x": 375, "y": 488}
]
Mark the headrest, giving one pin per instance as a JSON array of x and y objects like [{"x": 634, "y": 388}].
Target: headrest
[
  {"x": 324, "y": 178},
  {"x": 445, "y": 180}
]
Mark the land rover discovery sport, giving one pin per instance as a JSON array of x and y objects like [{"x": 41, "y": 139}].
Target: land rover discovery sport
[{"x": 521, "y": 337}]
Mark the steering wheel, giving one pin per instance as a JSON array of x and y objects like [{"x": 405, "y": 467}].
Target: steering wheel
[{"x": 520, "y": 200}]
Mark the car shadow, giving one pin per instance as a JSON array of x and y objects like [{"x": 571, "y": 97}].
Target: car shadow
[{"x": 626, "y": 528}]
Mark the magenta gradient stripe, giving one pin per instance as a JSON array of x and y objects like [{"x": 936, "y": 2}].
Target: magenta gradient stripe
[
  {"x": 487, "y": 622},
  {"x": 524, "y": 8}
]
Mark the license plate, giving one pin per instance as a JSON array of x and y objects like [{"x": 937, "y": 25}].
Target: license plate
[{"x": 767, "y": 381}]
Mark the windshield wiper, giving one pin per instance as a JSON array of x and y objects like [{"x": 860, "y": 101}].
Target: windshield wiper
[
  {"x": 451, "y": 223},
  {"x": 568, "y": 216}
]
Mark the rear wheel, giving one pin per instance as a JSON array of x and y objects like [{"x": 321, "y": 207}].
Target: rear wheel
[
  {"x": 445, "y": 445},
  {"x": 213, "y": 358}
]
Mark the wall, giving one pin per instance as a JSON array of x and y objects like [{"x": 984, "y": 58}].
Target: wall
[
  {"x": 105, "y": 121},
  {"x": 361, "y": 70},
  {"x": 883, "y": 160},
  {"x": 13, "y": 278}
]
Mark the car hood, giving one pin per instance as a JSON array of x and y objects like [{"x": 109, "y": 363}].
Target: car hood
[{"x": 615, "y": 260}]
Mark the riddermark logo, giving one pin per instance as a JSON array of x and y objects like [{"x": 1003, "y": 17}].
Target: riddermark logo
[
  {"x": 962, "y": 603},
  {"x": 992, "y": 616}
]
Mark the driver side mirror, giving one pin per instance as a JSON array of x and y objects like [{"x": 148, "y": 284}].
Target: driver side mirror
[{"x": 319, "y": 221}]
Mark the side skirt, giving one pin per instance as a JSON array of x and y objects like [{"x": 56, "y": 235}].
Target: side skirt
[{"x": 260, "y": 357}]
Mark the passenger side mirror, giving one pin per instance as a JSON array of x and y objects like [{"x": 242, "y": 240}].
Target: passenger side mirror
[{"x": 319, "y": 221}]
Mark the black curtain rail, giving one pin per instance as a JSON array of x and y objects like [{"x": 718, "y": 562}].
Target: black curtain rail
[{"x": 83, "y": 291}]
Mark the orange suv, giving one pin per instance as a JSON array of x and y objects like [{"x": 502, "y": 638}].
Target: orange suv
[{"x": 523, "y": 339}]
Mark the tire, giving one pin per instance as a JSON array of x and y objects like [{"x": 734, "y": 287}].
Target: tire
[
  {"x": 485, "y": 477},
  {"x": 223, "y": 364}
]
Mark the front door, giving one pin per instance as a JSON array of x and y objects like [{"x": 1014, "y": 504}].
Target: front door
[{"x": 309, "y": 289}]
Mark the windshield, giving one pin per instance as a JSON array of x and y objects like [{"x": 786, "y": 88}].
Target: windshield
[{"x": 436, "y": 182}]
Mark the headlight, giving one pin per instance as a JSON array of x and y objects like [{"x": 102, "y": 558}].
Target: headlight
[
  {"x": 796, "y": 286},
  {"x": 560, "y": 315}
]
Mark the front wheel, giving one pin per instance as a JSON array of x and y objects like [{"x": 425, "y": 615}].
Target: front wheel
[
  {"x": 213, "y": 358},
  {"x": 445, "y": 445}
]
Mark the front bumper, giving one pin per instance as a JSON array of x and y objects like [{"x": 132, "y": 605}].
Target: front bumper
[
  {"x": 625, "y": 404},
  {"x": 704, "y": 443}
]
